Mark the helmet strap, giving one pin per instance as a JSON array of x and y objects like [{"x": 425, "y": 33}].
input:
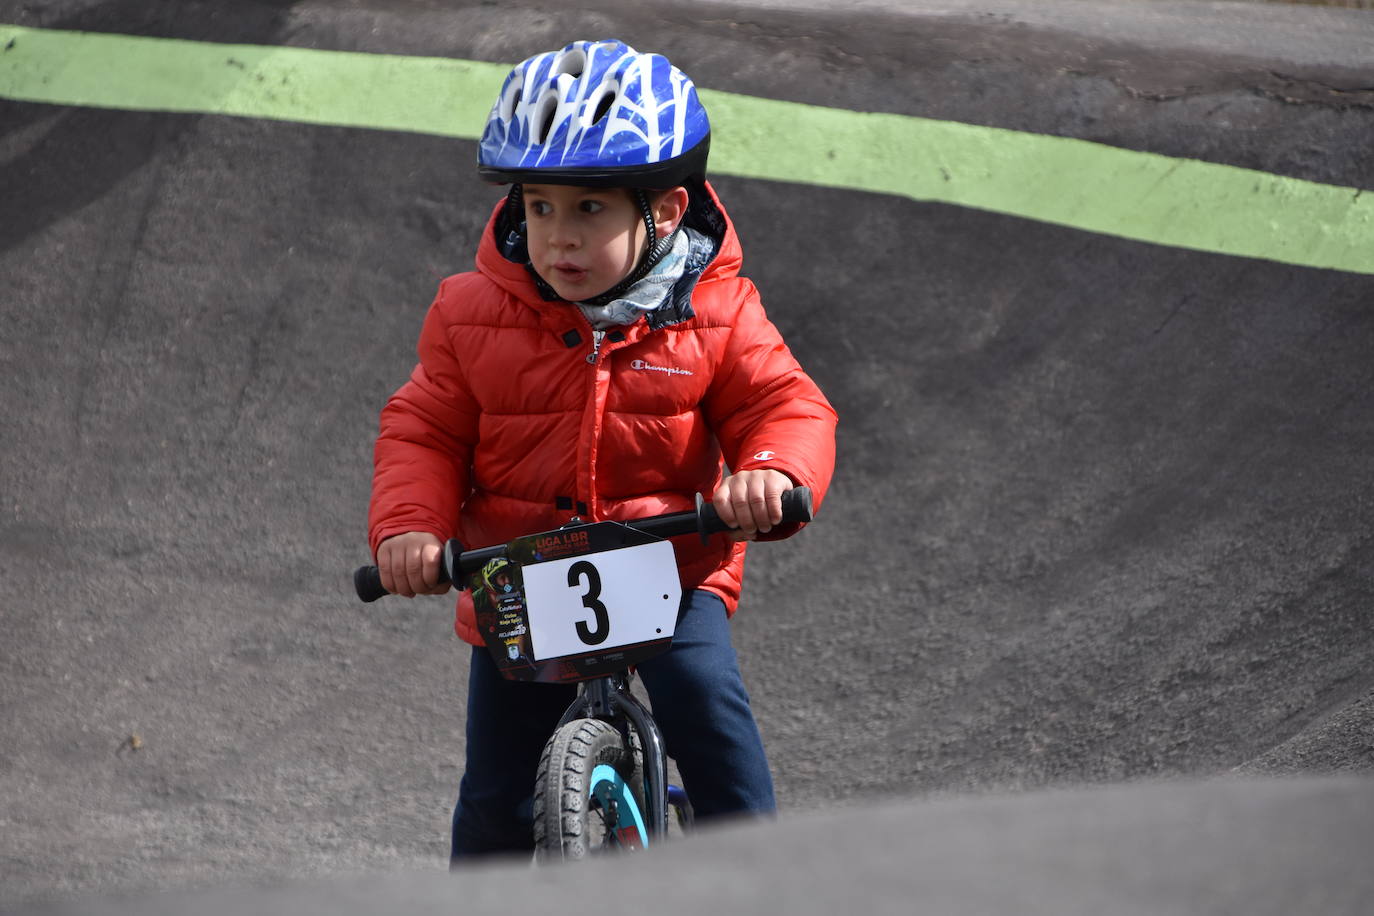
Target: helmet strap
[{"x": 654, "y": 252}]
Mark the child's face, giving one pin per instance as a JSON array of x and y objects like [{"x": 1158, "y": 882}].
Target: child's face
[{"x": 582, "y": 241}]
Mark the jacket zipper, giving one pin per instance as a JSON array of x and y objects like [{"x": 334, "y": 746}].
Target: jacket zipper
[{"x": 592, "y": 360}]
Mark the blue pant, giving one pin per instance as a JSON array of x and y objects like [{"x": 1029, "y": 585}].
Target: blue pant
[{"x": 698, "y": 700}]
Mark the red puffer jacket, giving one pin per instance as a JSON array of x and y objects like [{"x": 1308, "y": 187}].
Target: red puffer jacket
[{"x": 512, "y": 422}]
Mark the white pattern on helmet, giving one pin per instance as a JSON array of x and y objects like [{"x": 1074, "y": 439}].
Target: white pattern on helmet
[{"x": 572, "y": 101}]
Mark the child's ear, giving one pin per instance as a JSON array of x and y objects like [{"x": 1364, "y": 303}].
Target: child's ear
[{"x": 669, "y": 210}]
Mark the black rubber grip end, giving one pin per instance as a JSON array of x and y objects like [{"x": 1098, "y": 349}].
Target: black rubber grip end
[
  {"x": 367, "y": 581},
  {"x": 796, "y": 505}
]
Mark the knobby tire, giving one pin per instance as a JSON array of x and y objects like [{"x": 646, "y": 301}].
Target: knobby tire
[{"x": 568, "y": 822}]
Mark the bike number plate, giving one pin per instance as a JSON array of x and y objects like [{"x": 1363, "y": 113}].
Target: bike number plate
[
  {"x": 601, "y": 602},
  {"x": 577, "y": 603}
]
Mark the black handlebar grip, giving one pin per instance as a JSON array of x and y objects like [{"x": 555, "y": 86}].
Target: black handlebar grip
[
  {"x": 796, "y": 505},
  {"x": 796, "y": 509},
  {"x": 367, "y": 581}
]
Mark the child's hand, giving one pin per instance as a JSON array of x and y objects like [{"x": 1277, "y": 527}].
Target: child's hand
[
  {"x": 409, "y": 564},
  {"x": 751, "y": 502}
]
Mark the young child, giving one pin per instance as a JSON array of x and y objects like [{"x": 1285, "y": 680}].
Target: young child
[{"x": 605, "y": 360}]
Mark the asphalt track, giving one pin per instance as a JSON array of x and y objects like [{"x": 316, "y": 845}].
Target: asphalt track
[{"x": 1084, "y": 627}]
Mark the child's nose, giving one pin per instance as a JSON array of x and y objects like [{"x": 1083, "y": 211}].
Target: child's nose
[{"x": 562, "y": 235}]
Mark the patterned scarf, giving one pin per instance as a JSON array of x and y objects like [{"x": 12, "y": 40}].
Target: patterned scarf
[{"x": 648, "y": 294}]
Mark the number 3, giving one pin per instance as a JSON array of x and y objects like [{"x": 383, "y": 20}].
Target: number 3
[{"x": 591, "y": 637}]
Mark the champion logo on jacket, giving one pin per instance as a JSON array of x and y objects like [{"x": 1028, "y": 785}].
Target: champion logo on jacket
[{"x": 642, "y": 366}]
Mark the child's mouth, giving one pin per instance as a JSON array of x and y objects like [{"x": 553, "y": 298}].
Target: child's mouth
[{"x": 569, "y": 271}]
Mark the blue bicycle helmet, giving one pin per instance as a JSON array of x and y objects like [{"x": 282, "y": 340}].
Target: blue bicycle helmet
[{"x": 596, "y": 114}]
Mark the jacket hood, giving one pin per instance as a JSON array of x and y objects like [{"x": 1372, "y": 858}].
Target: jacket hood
[{"x": 715, "y": 254}]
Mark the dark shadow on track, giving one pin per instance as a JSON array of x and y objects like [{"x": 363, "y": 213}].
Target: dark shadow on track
[{"x": 83, "y": 152}]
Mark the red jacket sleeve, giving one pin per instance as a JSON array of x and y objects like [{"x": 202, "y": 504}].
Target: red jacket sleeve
[
  {"x": 424, "y": 446},
  {"x": 767, "y": 412}
]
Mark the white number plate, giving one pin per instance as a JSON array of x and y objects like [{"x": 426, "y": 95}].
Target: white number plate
[{"x": 602, "y": 601}]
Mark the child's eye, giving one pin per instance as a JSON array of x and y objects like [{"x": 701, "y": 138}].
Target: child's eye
[
  {"x": 537, "y": 207},
  {"x": 592, "y": 206}
]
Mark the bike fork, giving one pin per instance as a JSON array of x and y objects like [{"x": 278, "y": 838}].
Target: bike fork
[
  {"x": 655, "y": 762},
  {"x": 610, "y": 699}
]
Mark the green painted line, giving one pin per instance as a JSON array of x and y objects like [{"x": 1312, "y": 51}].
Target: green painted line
[
  {"x": 376, "y": 91},
  {"x": 1182, "y": 203}
]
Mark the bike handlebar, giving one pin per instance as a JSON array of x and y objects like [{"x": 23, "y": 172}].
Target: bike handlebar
[{"x": 796, "y": 508}]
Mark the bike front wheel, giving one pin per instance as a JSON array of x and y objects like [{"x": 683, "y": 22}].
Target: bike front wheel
[{"x": 585, "y": 800}]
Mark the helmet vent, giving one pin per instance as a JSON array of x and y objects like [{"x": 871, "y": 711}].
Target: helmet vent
[
  {"x": 603, "y": 105},
  {"x": 544, "y": 115},
  {"x": 572, "y": 63},
  {"x": 509, "y": 103}
]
